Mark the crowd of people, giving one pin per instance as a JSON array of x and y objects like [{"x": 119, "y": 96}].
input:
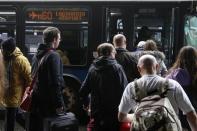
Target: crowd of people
[
  {"x": 111, "y": 101},
  {"x": 107, "y": 92},
  {"x": 17, "y": 75}
]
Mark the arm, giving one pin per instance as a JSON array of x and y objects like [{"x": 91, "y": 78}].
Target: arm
[
  {"x": 122, "y": 117},
  {"x": 25, "y": 70},
  {"x": 85, "y": 90},
  {"x": 127, "y": 104},
  {"x": 55, "y": 75},
  {"x": 192, "y": 120},
  {"x": 123, "y": 78}
]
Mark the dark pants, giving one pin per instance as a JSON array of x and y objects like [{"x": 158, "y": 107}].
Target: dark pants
[
  {"x": 35, "y": 122},
  {"x": 12, "y": 115}
]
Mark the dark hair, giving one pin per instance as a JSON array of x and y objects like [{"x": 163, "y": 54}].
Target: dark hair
[
  {"x": 187, "y": 59},
  {"x": 49, "y": 34},
  {"x": 105, "y": 49},
  {"x": 9, "y": 45}
]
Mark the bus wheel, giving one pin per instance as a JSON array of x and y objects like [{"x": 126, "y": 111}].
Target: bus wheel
[{"x": 71, "y": 99}]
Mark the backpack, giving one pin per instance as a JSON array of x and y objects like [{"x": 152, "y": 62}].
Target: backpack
[{"x": 154, "y": 111}]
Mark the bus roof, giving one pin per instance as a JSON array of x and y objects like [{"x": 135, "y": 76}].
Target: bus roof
[{"x": 95, "y": 0}]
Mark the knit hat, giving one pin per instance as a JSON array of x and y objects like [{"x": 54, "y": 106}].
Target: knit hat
[{"x": 9, "y": 45}]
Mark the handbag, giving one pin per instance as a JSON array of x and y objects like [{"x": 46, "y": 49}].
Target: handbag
[{"x": 27, "y": 96}]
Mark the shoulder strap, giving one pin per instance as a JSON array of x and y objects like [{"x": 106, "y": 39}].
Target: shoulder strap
[
  {"x": 36, "y": 71},
  {"x": 161, "y": 90},
  {"x": 139, "y": 93}
]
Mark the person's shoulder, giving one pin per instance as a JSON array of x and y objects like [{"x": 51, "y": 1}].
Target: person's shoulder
[
  {"x": 53, "y": 53},
  {"x": 130, "y": 87},
  {"x": 174, "y": 84}
]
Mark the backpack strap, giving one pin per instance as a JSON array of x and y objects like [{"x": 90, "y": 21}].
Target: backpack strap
[{"x": 161, "y": 90}]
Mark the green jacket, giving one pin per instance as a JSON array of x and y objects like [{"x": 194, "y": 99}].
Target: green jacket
[{"x": 18, "y": 72}]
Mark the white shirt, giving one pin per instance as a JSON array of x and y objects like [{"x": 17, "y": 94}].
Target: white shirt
[{"x": 176, "y": 94}]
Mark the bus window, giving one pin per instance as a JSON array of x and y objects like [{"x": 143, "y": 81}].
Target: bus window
[
  {"x": 73, "y": 24},
  {"x": 7, "y": 24},
  {"x": 190, "y": 30}
]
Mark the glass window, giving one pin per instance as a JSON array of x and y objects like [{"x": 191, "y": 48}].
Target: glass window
[
  {"x": 190, "y": 30},
  {"x": 7, "y": 24},
  {"x": 7, "y": 16},
  {"x": 73, "y": 24}
]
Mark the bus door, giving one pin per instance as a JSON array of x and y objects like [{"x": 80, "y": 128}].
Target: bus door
[{"x": 130, "y": 20}]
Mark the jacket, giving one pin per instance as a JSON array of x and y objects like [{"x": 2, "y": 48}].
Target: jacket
[
  {"x": 128, "y": 62},
  {"x": 18, "y": 72},
  {"x": 105, "y": 82},
  {"x": 47, "y": 93},
  {"x": 160, "y": 57}
]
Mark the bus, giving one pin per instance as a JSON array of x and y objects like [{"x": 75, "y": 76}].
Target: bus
[{"x": 84, "y": 24}]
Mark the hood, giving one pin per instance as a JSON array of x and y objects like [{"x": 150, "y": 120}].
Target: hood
[
  {"x": 42, "y": 49},
  {"x": 16, "y": 52},
  {"x": 103, "y": 63}
]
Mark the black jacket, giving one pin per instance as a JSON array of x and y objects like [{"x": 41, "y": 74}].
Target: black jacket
[
  {"x": 47, "y": 94},
  {"x": 105, "y": 82},
  {"x": 128, "y": 62}
]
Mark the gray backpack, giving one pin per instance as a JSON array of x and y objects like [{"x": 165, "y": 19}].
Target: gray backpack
[{"x": 154, "y": 111}]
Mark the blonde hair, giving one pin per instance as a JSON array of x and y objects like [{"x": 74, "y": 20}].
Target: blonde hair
[{"x": 150, "y": 45}]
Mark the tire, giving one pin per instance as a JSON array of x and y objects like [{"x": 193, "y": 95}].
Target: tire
[{"x": 71, "y": 98}]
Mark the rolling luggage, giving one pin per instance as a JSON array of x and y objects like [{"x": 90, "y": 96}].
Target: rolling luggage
[{"x": 64, "y": 122}]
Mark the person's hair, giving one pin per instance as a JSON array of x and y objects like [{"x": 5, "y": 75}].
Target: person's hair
[
  {"x": 49, "y": 34},
  {"x": 187, "y": 59},
  {"x": 150, "y": 45},
  {"x": 105, "y": 49},
  {"x": 140, "y": 45},
  {"x": 119, "y": 40},
  {"x": 9, "y": 45},
  {"x": 147, "y": 62},
  {"x": 2, "y": 77}
]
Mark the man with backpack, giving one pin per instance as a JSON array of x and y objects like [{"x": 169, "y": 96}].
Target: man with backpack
[{"x": 150, "y": 84}]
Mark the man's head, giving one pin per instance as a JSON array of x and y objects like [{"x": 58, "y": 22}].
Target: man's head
[
  {"x": 106, "y": 49},
  {"x": 147, "y": 64},
  {"x": 51, "y": 36},
  {"x": 119, "y": 41},
  {"x": 8, "y": 46}
]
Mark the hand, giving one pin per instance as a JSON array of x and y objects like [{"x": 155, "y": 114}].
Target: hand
[
  {"x": 28, "y": 91},
  {"x": 87, "y": 109}
]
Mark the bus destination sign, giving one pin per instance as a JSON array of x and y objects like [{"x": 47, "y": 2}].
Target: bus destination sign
[{"x": 57, "y": 15}]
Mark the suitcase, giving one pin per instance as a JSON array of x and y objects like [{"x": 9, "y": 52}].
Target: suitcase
[{"x": 64, "y": 122}]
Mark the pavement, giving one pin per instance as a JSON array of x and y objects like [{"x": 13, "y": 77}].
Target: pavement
[{"x": 19, "y": 128}]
